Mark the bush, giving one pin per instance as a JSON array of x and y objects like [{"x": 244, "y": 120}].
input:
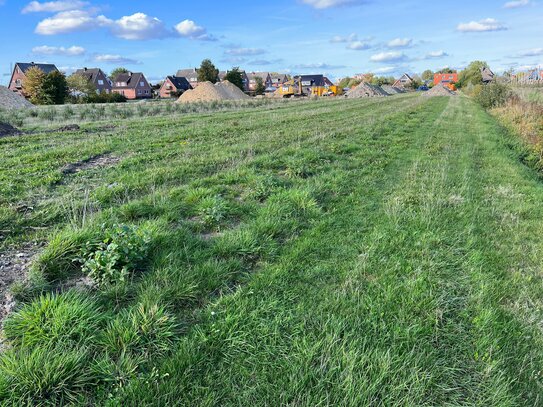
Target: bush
[
  {"x": 54, "y": 318},
  {"x": 492, "y": 95},
  {"x": 120, "y": 253},
  {"x": 106, "y": 98}
]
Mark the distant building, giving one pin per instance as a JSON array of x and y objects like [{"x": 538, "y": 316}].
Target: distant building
[
  {"x": 173, "y": 86},
  {"x": 191, "y": 74},
  {"x": 266, "y": 80},
  {"x": 132, "y": 85},
  {"x": 277, "y": 79},
  {"x": 404, "y": 81},
  {"x": 488, "y": 75},
  {"x": 308, "y": 82},
  {"x": 244, "y": 78},
  {"x": 445, "y": 78},
  {"x": 97, "y": 77},
  {"x": 18, "y": 75}
]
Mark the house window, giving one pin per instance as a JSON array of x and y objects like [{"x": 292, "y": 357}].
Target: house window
[
  {"x": 17, "y": 82},
  {"x": 100, "y": 82},
  {"x": 142, "y": 84}
]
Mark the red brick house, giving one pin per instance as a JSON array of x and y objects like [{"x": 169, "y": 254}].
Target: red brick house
[
  {"x": 19, "y": 74},
  {"x": 132, "y": 85},
  {"x": 97, "y": 77},
  {"x": 445, "y": 78},
  {"x": 173, "y": 86},
  {"x": 266, "y": 80},
  {"x": 278, "y": 79}
]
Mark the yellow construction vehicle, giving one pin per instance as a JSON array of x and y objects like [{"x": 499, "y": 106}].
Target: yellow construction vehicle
[
  {"x": 297, "y": 88},
  {"x": 291, "y": 88}
]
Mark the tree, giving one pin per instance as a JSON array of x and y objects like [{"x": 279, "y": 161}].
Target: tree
[
  {"x": 116, "y": 72},
  {"x": 235, "y": 77},
  {"x": 55, "y": 88},
  {"x": 260, "y": 87},
  {"x": 79, "y": 84},
  {"x": 472, "y": 74},
  {"x": 33, "y": 85},
  {"x": 427, "y": 75},
  {"x": 208, "y": 72}
]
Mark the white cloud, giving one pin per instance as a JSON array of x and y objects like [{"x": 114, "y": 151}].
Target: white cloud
[
  {"x": 386, "y": 69},
  {"x": 400, "y": 43},
  {"x": 488, "y": 24},
  {"x": 189, "y": 29},
  {"x": 531, "y": 53},
  {"x": 245, "y": 51},
  {"x": 53, "y": 6},
  {"x": 320, "y": 65},
  {"x": 388, "y": 57},
  {"x": 139, "y": 26},
  {"x": 436, "y": 54},
  {"x": 47, "y": 50},
  {"x": 114, "y": 59},
  {"x": 339, "y": 39},
  {"x": 359, "y": 45},
  {"x": 71, "y": 21},
  {"x": 324, "y": 4},
  {"x": 517, "y": 4}
]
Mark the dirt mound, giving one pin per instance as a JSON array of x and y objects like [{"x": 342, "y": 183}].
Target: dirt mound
[
  {"x": 11, "y": 100},
  {"x": 391, "y": 90},
  {"x": 207, "y": 92},
  {"x": 366, "y": 90},
  {"x": 439, "y": 90},
  {"x": 8, "y": 130}
]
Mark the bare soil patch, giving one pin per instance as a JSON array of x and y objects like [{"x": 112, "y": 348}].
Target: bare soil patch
[
  {"x": 98, "y": 161},
  {"x": 8, "y": 130}
]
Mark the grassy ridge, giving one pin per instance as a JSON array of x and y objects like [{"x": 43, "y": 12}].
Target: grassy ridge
[{"x": 356, "y": 253}]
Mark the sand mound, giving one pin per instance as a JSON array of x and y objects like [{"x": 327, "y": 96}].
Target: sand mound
[
  {"x": 207, "y": 92},
  {"x": 439, "y": 90},
  {"x": 11, "y": 100},
  {"x": 391, "y": 90},
  {"x": 366, "y": 90}
]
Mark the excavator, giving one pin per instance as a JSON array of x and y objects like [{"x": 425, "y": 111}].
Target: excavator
[{"x": 295, "y": 88}]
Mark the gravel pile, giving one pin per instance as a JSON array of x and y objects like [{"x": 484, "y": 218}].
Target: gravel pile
[
  {"x": 11, "y": 100},
  {"x": 391, "y": 90},
  {"x": 439, "y": 90},
  {"x": 207, "y": 92},
  {"x": 366, "y": 90}
]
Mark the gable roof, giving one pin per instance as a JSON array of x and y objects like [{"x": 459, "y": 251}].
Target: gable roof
[
  {"x": 253, "y": 75},
  {"x": 406, "y": 76},
  {"x": 316, "y": 80},
  {"x": 131, "y": 79},
  {"x": 488, "y": 75},
  {"x": 187, "y": 73},
  {"x": 180, "y": 82},
  {"x": 90, "y": 73},
  {"x": 46, "y": 68}
]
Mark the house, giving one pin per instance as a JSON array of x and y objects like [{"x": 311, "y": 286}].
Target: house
[
  {"x": 191, "y": 74},
  {"x": 535, "y": 75},
  {"x": 266, "y": 80},
  {"x": 404, "y": 81},
  {"x": 173, "y": 86},
  {"x": 132, "y": 85},
  {"x": 97, "y": 77},
  {"x": 308, "y": 82},
  {"x": 488, "y": 75},
  {"x": 277, "y": 79},
  {"x": 19, "y": 74},
  {"x": 445, "y": 78},
  {"x": 244, "y": 78}
]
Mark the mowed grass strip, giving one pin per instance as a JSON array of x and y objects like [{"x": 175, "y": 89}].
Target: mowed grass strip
[{"x": 373, "y": 254}]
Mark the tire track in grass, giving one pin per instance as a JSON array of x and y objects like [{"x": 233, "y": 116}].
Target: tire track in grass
[{"x": 288, "y": 337}]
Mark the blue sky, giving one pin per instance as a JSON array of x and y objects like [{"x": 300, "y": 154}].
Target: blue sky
[{"x": 335, "y": 37}]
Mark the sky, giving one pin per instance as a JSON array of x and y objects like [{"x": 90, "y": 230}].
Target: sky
[{"x": 335, "y": 37}]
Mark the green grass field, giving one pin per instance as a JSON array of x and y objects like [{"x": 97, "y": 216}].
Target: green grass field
[{"x": 379, "y": 252}]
